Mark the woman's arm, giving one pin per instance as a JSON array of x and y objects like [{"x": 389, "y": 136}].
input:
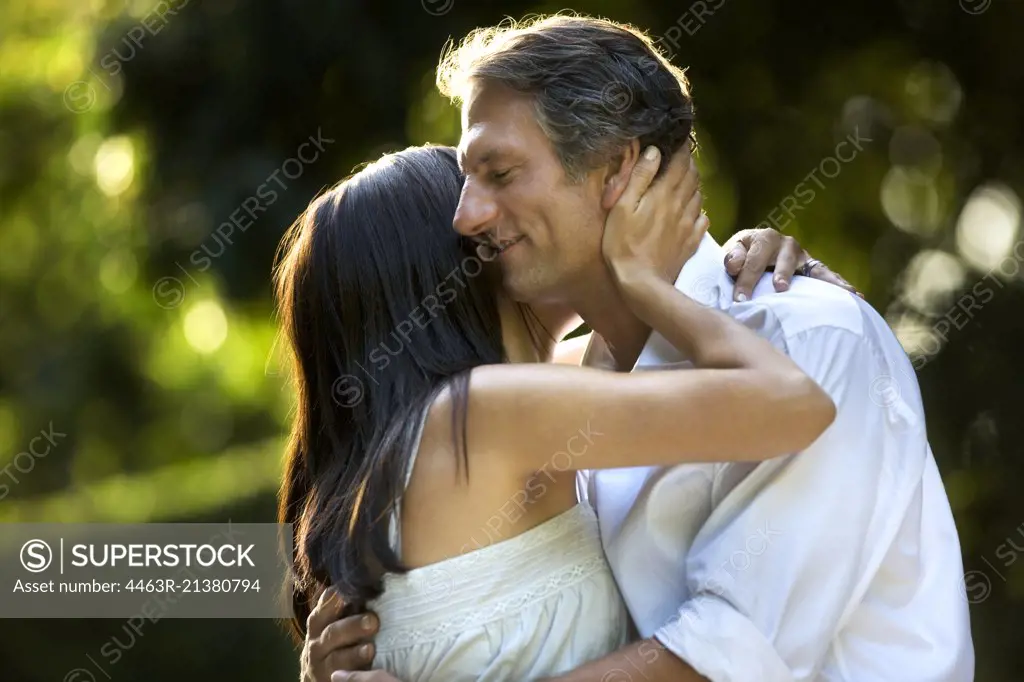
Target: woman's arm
[{"x": 762, "y": 407}]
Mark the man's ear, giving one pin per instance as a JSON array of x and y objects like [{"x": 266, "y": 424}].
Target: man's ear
[{"x": 618, "y": 177}]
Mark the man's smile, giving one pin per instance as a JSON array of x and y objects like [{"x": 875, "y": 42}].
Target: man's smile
[
  {"x": 493, "y": 247},
  {"x": 507, "y": 244}
]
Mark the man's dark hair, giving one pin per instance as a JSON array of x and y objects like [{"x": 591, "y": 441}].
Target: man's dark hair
[{"x": 596, "y": 84}]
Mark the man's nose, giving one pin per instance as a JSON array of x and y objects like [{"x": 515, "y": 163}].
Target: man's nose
[{"x": 476, "y": 212}]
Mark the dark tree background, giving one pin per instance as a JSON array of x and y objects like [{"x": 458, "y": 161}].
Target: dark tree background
[{"x": 130, "y": 132}]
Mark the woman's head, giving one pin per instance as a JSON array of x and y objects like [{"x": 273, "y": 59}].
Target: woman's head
[{"x": 382, "y": 304}]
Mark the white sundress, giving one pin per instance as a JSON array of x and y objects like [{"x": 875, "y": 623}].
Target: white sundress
[{"x": 535, "y": 605}]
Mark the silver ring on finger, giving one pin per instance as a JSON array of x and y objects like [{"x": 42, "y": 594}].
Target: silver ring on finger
[{"x": 807, "y": 267}]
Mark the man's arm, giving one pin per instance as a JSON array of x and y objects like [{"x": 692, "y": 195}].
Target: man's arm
[
  {"x": 789, "y": 552},
  {"x": 791, "y": 549},
  {"x": 648, "y": 658}
]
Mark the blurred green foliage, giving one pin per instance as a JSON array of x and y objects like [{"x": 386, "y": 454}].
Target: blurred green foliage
[{"x": 135, "y": 313}]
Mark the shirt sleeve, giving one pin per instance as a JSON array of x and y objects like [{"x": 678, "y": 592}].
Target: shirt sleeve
[{"x": 790, "y": 550}]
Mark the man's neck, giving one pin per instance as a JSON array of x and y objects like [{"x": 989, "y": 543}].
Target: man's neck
[
  {"x": 602, "y": 307},
  {"x": 523, "y": 340},
  {"x": 598, "y": 301}
]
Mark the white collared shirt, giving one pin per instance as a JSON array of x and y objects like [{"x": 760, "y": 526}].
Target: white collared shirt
[{"x": 839, "y": 563}]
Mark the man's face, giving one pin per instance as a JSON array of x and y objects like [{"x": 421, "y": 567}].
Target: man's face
[{"x": 518, "y": 197}]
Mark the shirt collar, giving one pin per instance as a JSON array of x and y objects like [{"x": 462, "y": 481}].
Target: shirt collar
[
  {"x": 704, "y": 279},
  {"x": 702, "y": 275}
]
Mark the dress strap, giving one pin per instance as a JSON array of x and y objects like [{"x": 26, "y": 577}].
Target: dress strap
[{"x": 395, "y": 523}]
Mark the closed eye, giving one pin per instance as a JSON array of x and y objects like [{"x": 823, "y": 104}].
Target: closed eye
[{"x": 501, "y": 176}]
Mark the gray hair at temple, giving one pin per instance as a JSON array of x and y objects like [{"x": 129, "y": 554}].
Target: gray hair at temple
[{"x": 596, "y": 84}]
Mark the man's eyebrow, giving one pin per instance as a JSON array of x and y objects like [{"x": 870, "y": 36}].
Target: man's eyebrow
[{"x": 488, "y": 156}]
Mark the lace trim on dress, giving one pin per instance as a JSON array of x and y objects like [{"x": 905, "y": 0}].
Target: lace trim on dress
[{"x": 488, "y": 584}]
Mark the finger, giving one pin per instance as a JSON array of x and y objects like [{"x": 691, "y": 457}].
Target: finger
[
  {"x": 700, "y": 229},
  {"x": 823, "y": 273},
  {"x": 743, "y": 237},
  {"x": 689, "y": 182},
  {"x": 330, "y": 593},
  {"x": 679, "y": 168},
  {"x": 341, "y": 642},
  {"x": 790, "y": 254},
  {"x": 747, "y": 279},
  {"x": 703, "y": 225},
  {"x": 764, "y": 240},
  {"x": 641, "y": 177},
  {"x": 735, "y": 259},
  {"x": 328, "y": 608},
  {"x": 756, "y": 263},
  {"x": 362, "y": 676},
  {"x": 693, "y": 208},
  {"x": 326, "y": 611},
  {"x": 350, "y": 631},
  {"x": 736, "y": 251},
  {"x": 761, "y": 252},
  {"x": 350, "y": 658}
]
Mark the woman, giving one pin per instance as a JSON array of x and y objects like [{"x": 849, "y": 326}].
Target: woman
[{"x": 424, "y": 407}]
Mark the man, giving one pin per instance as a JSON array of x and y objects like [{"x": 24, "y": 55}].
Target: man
[{"x": 839, "y": 563}]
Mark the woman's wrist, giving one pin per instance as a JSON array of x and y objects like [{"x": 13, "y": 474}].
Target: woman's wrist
[
  {"x": 640, "y": 289},
  {"x": 635, "y": 279}
]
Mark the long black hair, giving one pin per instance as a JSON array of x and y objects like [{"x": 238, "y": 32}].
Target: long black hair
[{"x": 382, "y": 305}]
